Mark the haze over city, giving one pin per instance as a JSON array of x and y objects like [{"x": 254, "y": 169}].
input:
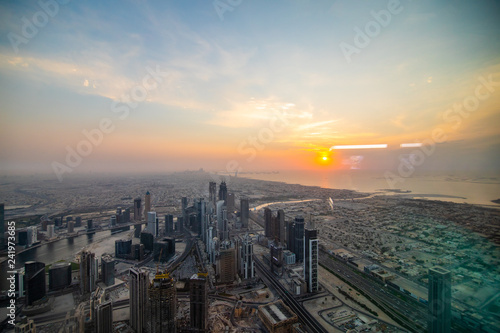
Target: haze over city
[{"x": 252, "y": 84}]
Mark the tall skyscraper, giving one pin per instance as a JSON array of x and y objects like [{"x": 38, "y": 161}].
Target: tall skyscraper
[
  {"x": 104, "y": 322},
  {"x": 230, "y": 202},
  {"x": 152, "y": 227},
  {"x": 139, "y": 282},
  {"x": 198, "y": 302},
  {"x": 108, "y": 270},
  {"x": 88, "y": 272},
  {"x": 290, "y": 236},
  {"x": 223, "y": 192},
  {"x": 226, "y": 267},
  {"x": 247, "y": 264},
  {"x": 245, "y": 212},
  {"x": 212, "y": 192},
  {"x": 439, "y": 308},
  {"x": 147, "y": 204},
  {"x": 311, "y": 259},
  {"x": 137, "y": 209},
  {"x": 34, "y": 281},
  {"x": 169, "y": 224},
  {"x": 299, "y": 238},
  {"x": 276, "y": 258},
  {"x": 268, "y": 216},
  {"x": 281, "y": 226},
  {"x": 161, "y": 308}
]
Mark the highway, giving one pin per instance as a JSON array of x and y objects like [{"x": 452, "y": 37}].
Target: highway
[
  {"x": 414, "y": 316},
  {"x": 304, "y": 316}
]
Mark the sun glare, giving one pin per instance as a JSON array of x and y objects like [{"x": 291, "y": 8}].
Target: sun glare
[{"x": 325, "y": 158}]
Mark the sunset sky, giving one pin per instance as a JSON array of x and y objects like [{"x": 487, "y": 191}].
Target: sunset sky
[{"x": 275, "y": 71}]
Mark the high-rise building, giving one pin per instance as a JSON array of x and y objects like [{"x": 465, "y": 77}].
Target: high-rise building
[
  {"x": 123, "y": 248},
  {"x": 88, "y": 272},
  {"x": 223, "y": 192},
  {"x": 137, "y": 230},
  {"x": 311, "y": 259},
  {"x": 152, "y": 223},
  {"x": 247, "y": 264},
  {"x": 78, "y": 221},
  {"x": 268, "y": 216},
  {"x": 290, "y": 236},
  {"x": 90, "y": 225},
  {"x": 276, "y": 258},
  {"x": 439, "y": 308},
  {"x": 245, "y": 212},
  {"x": 108, "y": 270},
  {"x": 147, "y": 205},
  {"x": 226, "y": 267},
  {"x": 198, "y": 302},
  {"x": 71, "y": 227},
  {"x": 161, "y": 308},
  {"x": 299, "y": 238},
  {"x": 137, "y": 209},
  {"x": 104, "y": 322},
  {"x": 139, "y": 282},
  {"x": 50, "y": 231},
  {"x": 212, "y": 195},
  {"x": 112, "y": 220},
  {"x": 2, "y": 226},
  {"x": 230, "y": 202},
  {"x": 169, "y": 224},
  {"x": 281, "y": 226},
  {"x": 34, "y": 281},
  {"x": 126, "y": 216},
  {"x": 59, "y": 276}
]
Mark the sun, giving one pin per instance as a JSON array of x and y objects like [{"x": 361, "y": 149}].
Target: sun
[{"x": 325, "y": 158}]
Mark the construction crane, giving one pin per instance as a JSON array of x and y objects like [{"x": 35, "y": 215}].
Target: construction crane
[{"x": 161, "y": 275}]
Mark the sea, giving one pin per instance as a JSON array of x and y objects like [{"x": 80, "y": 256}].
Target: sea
[{"x": 458, "y": 187}]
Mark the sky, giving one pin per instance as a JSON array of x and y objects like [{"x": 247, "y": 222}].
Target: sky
[{"x": 248, "y": 85}]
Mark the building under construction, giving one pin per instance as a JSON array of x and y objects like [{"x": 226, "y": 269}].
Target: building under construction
[
  {"x": 161, "y": 307},
  {"x": 277, "y": 317}
]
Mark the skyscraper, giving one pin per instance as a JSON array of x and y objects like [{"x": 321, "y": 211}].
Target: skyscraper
[
  {"x": 161, "y": 308},
  {"x": 169, "y": 224},
  {"x": 198, "y": 302},
  {"x": 247, "y": 264},
  {"x": 311, "y": 259},
  {"x": 268, "y": 217},
  {"x": 139, "y": 282},
  {"x": 108, "y": 270},
  {"x": 290, "y": 236},
  {"x": 439, "y": 309},
  {"x": 226, "y": 267},
  {"x": 104, "y": 322},
  {"x": 281, "y": 226},
  {"x": 245, "y": 212},
  {"x": 223, "y": 192},
  {"x": 152, "y": 227},
  {"x": 230, "y": 202},
  {"x": 88, "y": 272},
  {"x": 299, "y": 238},
  {"x": 147, "y": 204},
  {"x": 212, "y": 195},
  {"x": 34, "y": 281},
  {"x": 137, "y": 209}
]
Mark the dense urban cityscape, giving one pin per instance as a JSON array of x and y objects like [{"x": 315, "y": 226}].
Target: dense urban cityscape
[
  {"x": 200, "y": 252},
  {"x": 232, "y": 166}
]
